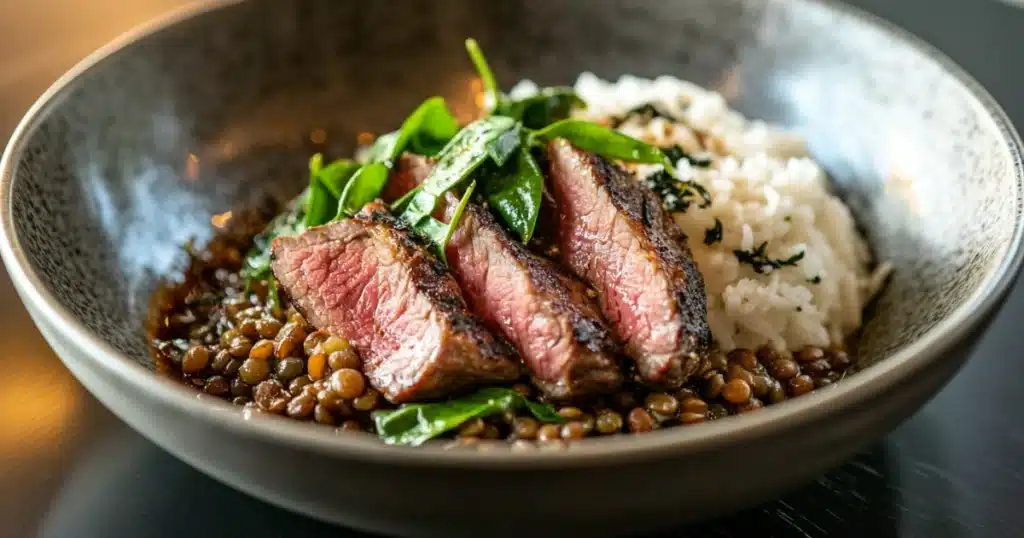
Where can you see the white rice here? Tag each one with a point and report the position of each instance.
(764, 189)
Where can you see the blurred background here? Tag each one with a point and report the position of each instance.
(70, 469)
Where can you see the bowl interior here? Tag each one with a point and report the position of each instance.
(136, 155)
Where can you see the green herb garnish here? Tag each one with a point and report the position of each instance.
(677, 195)
(647, 110)
(414, 424)
(713, 234)
(760, 261)
(676, 153)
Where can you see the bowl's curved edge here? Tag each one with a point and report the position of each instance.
(965, 320)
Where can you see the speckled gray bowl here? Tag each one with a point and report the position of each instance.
(130, 154)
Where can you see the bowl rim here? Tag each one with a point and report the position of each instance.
(672, 442)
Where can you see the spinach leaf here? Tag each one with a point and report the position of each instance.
(439, 233)
(335, 176)
(505, 145)
(605, 142)
(514, 193)
(363, 188)
(465, 153)
(290, 222)
(491, 90)
(538, 111)
(319, 202)
(429, 127)
(414, 424)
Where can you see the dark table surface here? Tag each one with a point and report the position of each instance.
(68, 468)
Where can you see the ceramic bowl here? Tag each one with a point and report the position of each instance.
(216, 107)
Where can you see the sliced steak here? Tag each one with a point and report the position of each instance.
(542, 310)
(366, 280)
(614, 234)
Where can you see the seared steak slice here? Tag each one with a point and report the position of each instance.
(366, 280)
(543, 311)
(614, 234)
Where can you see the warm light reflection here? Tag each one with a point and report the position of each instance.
(37, 403)
(318, 136)
(365, 138)
(192, 167)
(221, 219)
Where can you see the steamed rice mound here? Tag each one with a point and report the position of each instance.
(765, 190)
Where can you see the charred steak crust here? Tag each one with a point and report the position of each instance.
(539, 307)
(433, 279)
(665, 253)
(565, 296)
(411, 325)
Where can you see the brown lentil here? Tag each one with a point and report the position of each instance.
(572, 431)
(220, 361)
(661, 404)
(289, 340)
(549, 432)
(783, 369)
(252, 371)
(800, 385)
(216, 386)
(737, 391)
(342, 359)
(570, 413)
(267, 393)
(218, 339)
(290, 368)
(240, 388)
(262, 350)
(231, 368)
(367, 402)
(239, 347)
(322, 415)
(525, 428)
(248, 329)
(714, 386)
(640, 421)
(268, 327)
(301, 406)
(317, 366)
(296, 385)
(608, 422)
(809, 354)
(195, 359)
(351, 426)
(691, 418)
(839, 360)
(473, 427)
(348, 383)
(311, 344)
(744, 357)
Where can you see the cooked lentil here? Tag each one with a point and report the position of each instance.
(232, 343)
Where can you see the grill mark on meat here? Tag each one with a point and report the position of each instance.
(367, 280)
(543, 311)
(615, 235)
